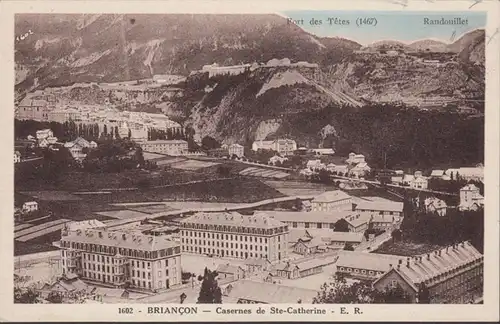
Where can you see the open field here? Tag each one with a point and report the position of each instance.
(263, 173)
(43, 232)
(51, 195)
(121, 214)
(40, 227)
(151, 156)
(299, 188)
(405, 248)
(192, 165)
(151, 209)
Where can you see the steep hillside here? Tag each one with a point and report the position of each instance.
(64, 49)
(470, 47)
(428, 44)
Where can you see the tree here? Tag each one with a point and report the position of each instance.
(210, 292)
(396, 235)
(24, 294)
(339, 291)
(117, 134)
(129, 134)
(348, 247)
(55, 298)
(341, 226)
(209, 143)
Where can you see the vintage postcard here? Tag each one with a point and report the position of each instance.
(224, 161)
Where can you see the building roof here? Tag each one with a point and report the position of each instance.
(382, 219)
(387, 205)
(165, 142)
(91, 223)
(436, 202)
(236, 145)
(426, 267)
(310, 217)
(331, 196)
(228, 268)
(365, 260)
(120, 239)
(358, 219)
(470, 187)
(437, 173)
(270, 293)
(346, 237)
(257, 220)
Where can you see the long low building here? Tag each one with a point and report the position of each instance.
(313, 219)
(453, 274)
(253, 292)
(168, 147)
(389, 208)
(234, 235)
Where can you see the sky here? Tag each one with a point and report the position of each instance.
(402, 26)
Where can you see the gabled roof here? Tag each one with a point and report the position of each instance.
(387, 205)
(270, 293)
(229, 268)
(310, 217)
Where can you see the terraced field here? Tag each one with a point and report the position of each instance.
(264, 173)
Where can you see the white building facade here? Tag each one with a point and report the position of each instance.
(235, 236)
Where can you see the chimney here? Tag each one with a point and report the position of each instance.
(428, 256)
(390, 265)
(408, 263)
(400, 261)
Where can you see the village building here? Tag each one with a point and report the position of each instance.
(168, 147)
(282, 146)
(234, 235)
(338, 240)
(300, 269)
(312, 219)
(77, 148)
(385, 207)
(336, 200)
(470, 198)
(235, 272)
(313, 164)
(254, 292)
(382, 222)
(359, 170)
(310, 245)
(452, 275)
(35, 109)
(118, 259)
(236, 149)
(68, 286)
(323, 151)
(435, 205)
(17, 157)
(30, 206)
(437, 174)
(355, 158)
(44, 134)
(277, 159)
(358, 223)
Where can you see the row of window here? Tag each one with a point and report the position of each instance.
(89, 247)
(228, 245)
(318, 225)
(236, 229)
(361, 271)
(221, 252)
(231, 237)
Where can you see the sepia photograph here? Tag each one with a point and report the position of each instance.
(293, 157)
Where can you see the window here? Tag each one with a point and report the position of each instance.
(394, 283)
(306, 225)
(318, 225)
(159, 274)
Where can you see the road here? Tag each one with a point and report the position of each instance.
(393, 185)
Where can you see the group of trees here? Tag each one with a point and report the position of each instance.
(456, 226)
(115, 156)
(169, 134)
(68, 130)
(339, 291)
(398, 136)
